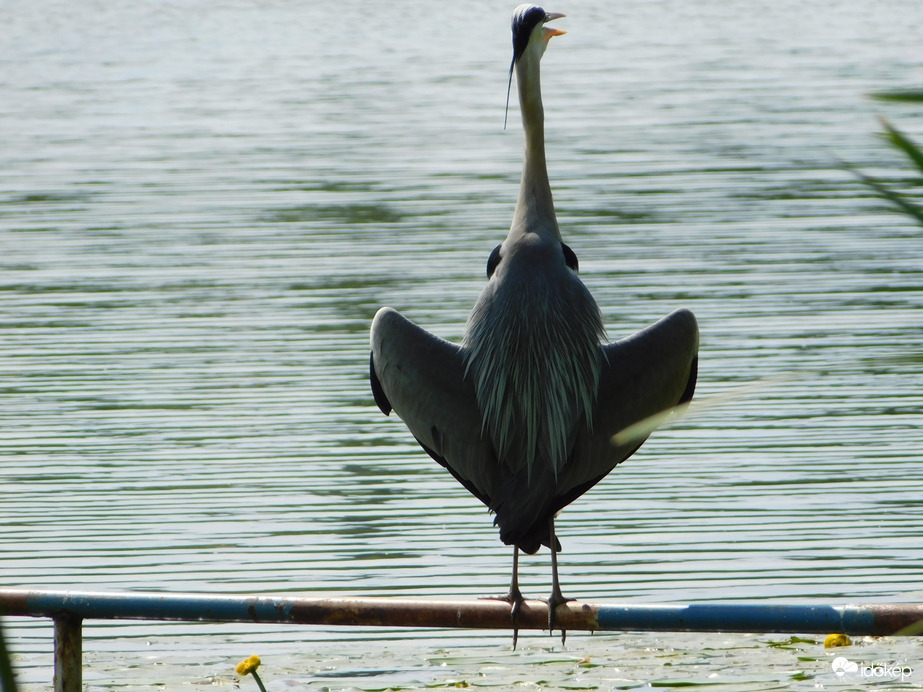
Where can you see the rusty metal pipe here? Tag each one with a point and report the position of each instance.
(869, 619)
(68, 609)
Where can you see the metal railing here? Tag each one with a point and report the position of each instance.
(68, 610)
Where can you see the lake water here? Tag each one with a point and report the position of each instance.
(202, 205)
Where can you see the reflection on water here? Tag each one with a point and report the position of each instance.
(199, 220)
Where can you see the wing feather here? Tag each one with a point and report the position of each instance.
(647, 373)
(422, 377)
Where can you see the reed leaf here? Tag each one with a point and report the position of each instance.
(904, 95)
(904, 205)
(902, 142)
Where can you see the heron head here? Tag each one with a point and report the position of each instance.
(529, 30)
(529, 25)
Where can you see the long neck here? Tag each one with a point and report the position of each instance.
(535, 207)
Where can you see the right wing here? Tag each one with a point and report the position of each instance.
(648, 373)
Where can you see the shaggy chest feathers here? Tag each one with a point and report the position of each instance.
(532, 349)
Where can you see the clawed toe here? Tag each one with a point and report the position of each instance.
(515, 599)
(554, 600)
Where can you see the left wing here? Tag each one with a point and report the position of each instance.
(422, 378)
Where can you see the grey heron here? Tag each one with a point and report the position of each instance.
(524, 411)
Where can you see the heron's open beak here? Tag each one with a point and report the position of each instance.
(550, 31)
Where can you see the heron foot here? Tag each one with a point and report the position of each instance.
(554, 600)
(515, 599)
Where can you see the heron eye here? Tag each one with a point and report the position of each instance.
(493, 261)
(570, 257)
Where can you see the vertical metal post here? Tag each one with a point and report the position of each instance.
(68, 653)
(7, 677)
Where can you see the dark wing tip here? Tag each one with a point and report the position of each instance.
(690, 383)
(380, 398)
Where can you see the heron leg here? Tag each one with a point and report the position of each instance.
(514, 597)
(556, 598)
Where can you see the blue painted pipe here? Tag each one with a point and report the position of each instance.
(873, 619)
(870, 619)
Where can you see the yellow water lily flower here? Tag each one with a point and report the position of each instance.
(248, 667)
(834, 640)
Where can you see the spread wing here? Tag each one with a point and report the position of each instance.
(645, 374)
(422, 378)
